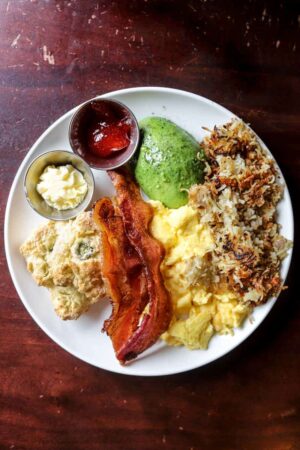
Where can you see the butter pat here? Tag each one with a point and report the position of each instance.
(62, 187)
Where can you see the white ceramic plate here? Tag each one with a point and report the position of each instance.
(83, 338)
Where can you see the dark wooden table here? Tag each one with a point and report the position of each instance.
(244, 55)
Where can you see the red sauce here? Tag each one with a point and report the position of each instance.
(106, 137)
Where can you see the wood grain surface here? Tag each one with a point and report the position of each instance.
(242, 54)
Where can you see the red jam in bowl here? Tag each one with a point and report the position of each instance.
(104, 133)
(105, 138)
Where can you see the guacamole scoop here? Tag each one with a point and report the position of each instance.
(169, 162)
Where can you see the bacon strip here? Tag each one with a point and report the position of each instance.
(137, 215)
(123, 274)
(131, 268)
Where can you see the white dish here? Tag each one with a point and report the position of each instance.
(83, 338)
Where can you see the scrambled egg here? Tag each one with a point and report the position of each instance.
(201, 307)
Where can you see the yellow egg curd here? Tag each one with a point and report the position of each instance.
(62, 187)
(202, 307)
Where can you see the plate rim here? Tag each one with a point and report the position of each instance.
(32, 149)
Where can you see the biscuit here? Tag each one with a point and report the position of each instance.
(65, 257)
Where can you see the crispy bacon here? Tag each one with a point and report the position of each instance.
(131, 268)
(123, 274)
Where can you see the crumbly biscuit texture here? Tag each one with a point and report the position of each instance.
(65, 257)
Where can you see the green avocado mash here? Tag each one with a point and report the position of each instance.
(169, 162)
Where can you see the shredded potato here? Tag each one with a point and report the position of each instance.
(238, 201)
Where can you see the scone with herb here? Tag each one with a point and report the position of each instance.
(65, 257)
